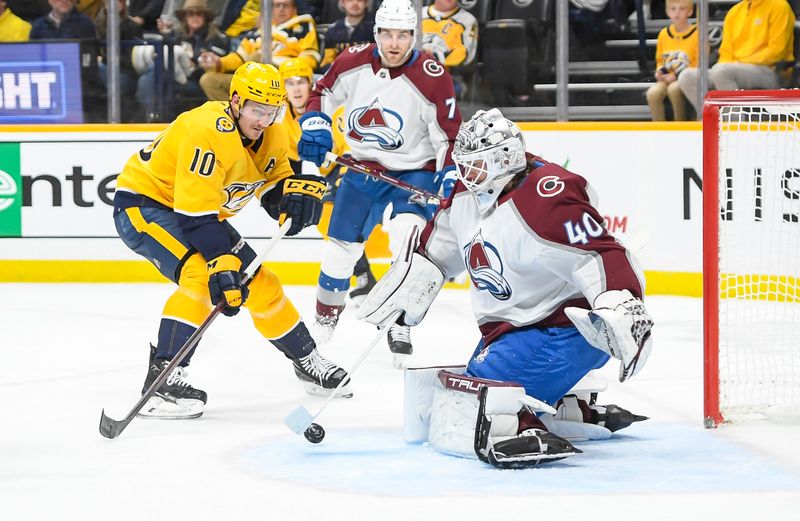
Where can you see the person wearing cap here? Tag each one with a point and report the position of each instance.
(172, 204)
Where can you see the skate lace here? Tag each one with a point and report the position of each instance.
(318, 365)
(400, 333)
(176, 378)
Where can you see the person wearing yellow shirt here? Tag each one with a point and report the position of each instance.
(298, 79)
(172, 204)
(247, 19)
(756, 35)
(12, 27)
(676, 50)
(293, 36)
(450, 33)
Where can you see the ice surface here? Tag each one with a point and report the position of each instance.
(70, 350)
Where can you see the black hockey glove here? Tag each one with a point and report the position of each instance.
(225, 283)
(302, 201)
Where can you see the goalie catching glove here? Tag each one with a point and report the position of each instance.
(409, 286)
(618, 325)
(225, 283)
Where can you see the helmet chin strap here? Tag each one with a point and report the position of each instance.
(245, 140)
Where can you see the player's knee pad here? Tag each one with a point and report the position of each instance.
(272, 312)
(340, 257)
(397, 229)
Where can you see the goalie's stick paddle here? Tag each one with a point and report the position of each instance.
(420, 195)
(111, 428)
(299, 419)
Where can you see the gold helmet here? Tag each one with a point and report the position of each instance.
(258, 82)
(294, 69)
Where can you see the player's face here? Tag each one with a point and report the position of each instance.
(395, 44)
(678, 12)
(473, 172)
(354, 8)
(297, 91)
(255, 117)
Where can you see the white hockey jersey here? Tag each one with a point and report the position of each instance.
(402, 118)
(543, 247)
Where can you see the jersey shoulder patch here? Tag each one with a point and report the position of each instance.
(224, 124)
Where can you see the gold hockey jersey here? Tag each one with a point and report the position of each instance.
(199, 164)
(294, 38)
(451, 37)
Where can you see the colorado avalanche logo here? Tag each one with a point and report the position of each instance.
(238, 194)
(486, 268)
(378, 124)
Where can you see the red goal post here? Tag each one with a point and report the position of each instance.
(751, 255)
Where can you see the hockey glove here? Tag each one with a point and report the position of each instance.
(302, 201)
(618, 325)
(316, 138)
(225, 283)
(446, 179)
(410, 285)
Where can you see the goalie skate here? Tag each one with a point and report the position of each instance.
(320, 376)
(399, 338)
(364, 284)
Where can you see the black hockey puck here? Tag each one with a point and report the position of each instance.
(315, 433)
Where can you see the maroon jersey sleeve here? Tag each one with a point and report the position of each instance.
(555, 205)
(349, 59)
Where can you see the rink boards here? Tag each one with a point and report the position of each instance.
(56, 188)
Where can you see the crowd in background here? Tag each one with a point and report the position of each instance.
(206, 40)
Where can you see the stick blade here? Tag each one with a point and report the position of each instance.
(109, 427)
(298, 420)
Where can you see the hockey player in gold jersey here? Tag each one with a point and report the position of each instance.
(298, 79)
(171, 206)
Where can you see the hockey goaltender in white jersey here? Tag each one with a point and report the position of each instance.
(554, 294)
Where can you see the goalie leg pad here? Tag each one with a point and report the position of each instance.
(410, 285)
(528, 449)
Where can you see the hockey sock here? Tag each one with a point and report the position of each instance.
(171, 337)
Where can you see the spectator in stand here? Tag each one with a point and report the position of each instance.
(12, 27)
(63, 23)
(757, 35)
(146, 12)
(129, 33)
(29, 10)
(240, 16)
(676, 50)
(194, 35)
(355, 28)
(293, 36)
(92, 8)
(449, 33)
(169, 18)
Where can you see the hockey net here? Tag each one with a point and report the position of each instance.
(751, 255)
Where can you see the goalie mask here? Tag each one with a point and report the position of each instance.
(488, 152)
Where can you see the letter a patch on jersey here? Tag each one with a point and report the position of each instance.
(376, 123)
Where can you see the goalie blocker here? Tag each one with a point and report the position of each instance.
(497, 422)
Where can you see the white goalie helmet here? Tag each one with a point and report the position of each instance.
(489, 150)
(395, 14)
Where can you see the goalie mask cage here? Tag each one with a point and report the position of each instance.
(751, 255)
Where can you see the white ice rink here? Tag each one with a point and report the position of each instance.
(70, 350)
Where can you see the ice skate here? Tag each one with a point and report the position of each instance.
(320, 376)
(364, 284)
(175, 399)
(399, 338)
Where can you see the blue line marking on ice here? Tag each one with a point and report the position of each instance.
(649, 458)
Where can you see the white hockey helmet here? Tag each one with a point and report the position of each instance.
(395, 14)
(489, 150)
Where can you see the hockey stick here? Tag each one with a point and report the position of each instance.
(111, 428)
(299, 419)
(421, 196)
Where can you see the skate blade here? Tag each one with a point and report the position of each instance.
(400, 360)
(157, 408)
(317, 390)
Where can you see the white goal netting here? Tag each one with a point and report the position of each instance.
(759, 260)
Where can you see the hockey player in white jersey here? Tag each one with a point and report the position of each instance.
(401, 117)
(554, 294)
